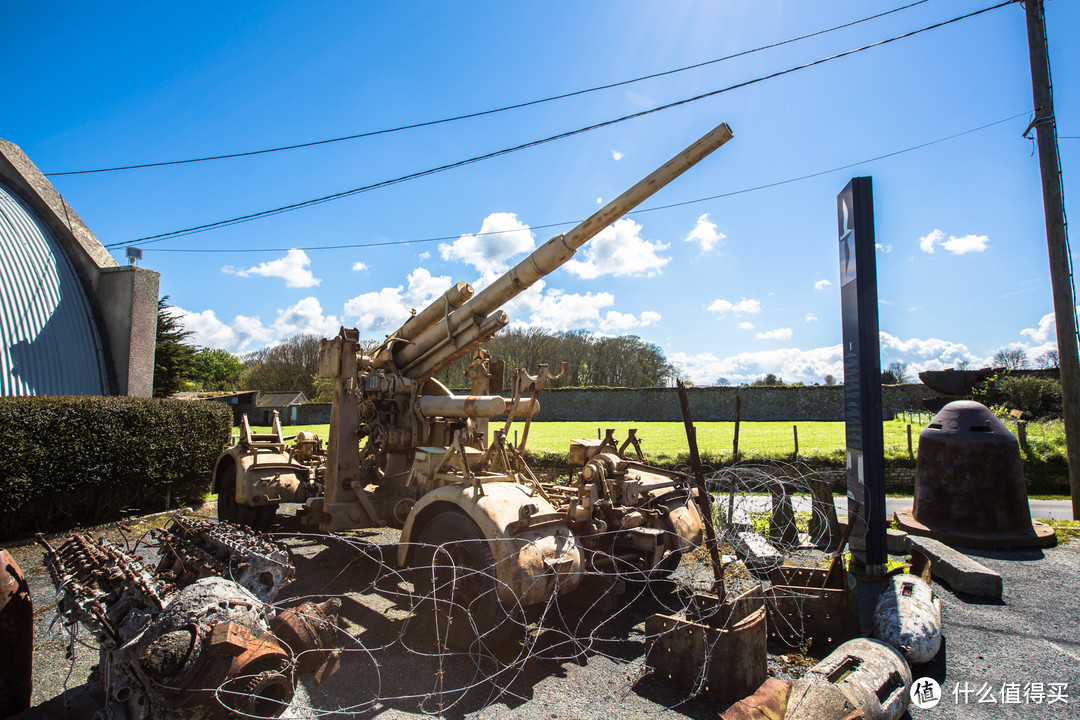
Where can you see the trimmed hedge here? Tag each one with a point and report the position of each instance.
(70, 461)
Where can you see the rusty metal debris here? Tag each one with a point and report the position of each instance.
(17, 631)
(717, 650)
(969, 483)
(908, 614)
(183, 642)
(194, 548)
(769, 702)
(860, 679)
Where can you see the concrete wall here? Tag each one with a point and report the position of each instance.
(124, 299)
(707, 404)
(717, 404)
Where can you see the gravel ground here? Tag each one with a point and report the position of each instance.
(1029, 637)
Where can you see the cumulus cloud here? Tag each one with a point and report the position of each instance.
(358, 266)
(777, 334)
(616, 322)
(746, 325)
(619, 250)
(501, 237)
(1045, 331)
(743, 307)
(883, 248)
(822, 284)
(705, 234)
(306, 317)
(563, 311)
(242, 334)
(811, 317)
(791, 364)
(383, 311)
(954, 245)
(293, 269)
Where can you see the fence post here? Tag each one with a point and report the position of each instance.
(795, 430)
(910, 449)
(735, 445)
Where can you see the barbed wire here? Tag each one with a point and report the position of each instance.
(422, 639)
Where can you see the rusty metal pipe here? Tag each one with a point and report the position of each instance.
(556, 251)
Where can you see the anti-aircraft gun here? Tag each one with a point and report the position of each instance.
(405, 451)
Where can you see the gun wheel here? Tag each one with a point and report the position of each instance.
(456, 571)
(228, 510)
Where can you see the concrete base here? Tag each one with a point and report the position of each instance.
(1041, 536)
(962, 573)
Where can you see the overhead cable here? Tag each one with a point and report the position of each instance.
(534, 143)
(493, 111)
(545, 226)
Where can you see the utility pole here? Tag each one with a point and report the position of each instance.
(1056, 240)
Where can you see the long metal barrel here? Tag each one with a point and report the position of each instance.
(561, 248)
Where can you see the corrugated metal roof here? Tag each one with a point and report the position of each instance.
(49, 342)
(281, 399)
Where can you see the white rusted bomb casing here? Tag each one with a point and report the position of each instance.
(862, 675)
(908, 617)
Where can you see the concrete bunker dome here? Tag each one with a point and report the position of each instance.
(72, 320)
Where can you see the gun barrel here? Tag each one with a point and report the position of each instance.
(556, 251)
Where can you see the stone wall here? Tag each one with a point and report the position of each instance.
(759, 404)
(707, 404)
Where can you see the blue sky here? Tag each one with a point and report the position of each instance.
(732, 287)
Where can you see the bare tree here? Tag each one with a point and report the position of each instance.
(1048, 360)
(830, 380)
(895, 374)
(1011, 358)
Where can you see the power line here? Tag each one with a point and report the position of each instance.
(493, 111)
(534, 143)
(635, 212)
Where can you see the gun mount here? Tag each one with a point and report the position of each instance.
(404, 451)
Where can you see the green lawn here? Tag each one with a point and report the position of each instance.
(665, 442)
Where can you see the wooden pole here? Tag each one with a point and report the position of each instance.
(735, 444)
(795, 430)
(910, 448)
(1056, 240)
(704, 498)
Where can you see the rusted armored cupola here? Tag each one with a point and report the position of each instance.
(969, 484)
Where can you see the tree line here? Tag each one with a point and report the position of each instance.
(591, 361)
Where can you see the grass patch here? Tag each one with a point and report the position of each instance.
(1067, 530)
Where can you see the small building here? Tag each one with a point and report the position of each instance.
(284, 402)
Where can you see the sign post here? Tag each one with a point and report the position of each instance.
(862, 370)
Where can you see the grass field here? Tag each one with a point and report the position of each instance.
(665, 442)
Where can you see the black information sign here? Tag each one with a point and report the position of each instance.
(862, 368)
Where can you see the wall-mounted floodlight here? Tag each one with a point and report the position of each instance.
(134, 254)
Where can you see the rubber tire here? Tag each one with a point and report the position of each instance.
(472, 600)
(228, 510)
(258, 518)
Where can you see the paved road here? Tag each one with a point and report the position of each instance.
(1040, 509)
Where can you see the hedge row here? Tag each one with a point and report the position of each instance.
(68, 461)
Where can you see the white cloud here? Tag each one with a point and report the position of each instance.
(649, 317)
(383, 311)
(822, 284)
(955, 245)
(619, 250)
(746, 325)
(777, 334)
(743, 307)
(616, 155)
(927, 242)
(705, 234)
(424, 255)
(1045, 331)
(358, 266)
(883, 248)
(562, 311)
(811, 317)
(501, 237)
(293, 269)
(790, 364)
(306, 317)
(239, 336)
(616, 322)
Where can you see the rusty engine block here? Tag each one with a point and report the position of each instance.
(196, 638)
